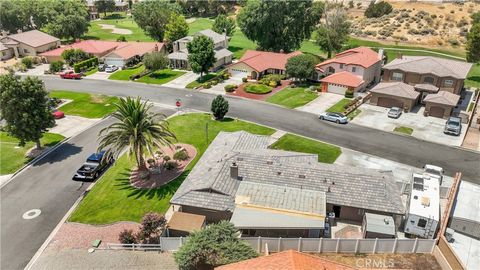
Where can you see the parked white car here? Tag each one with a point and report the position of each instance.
(334, 117)
(111, 69)
(394, 112)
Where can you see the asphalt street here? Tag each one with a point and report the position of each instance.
(403, 149)
(47, 186)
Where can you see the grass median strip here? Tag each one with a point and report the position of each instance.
(327, 153)
(124, 75)
(292, 97)
(85, 105)
(404, 130)
(161, 76)
(114, 199)
(13, 156)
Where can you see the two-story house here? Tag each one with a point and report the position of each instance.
(431, 81)
(352, 69)
(179, 57)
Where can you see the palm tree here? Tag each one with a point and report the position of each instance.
(138, 130)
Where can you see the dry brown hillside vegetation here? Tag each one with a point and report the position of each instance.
(439, 24)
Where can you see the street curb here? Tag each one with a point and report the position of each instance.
(35, 160)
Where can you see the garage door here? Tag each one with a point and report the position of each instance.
(437, 112)
(114, 61)
(389, 102)
(337, 89)
(239, 73)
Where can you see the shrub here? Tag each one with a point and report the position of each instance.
(139, 75)
(378, 10)
(230, 88)
(170, 165)
(244, 79)
(272, 84)
(28, 62)
(155, 61)
(225, 76)
(72, 56)
(56, 66)
(121, 39)
(127, 237)
(349, 93)
(181, 155)
(207, 85)
(219, 107)
(214, 82)
(166, 158)
(151, 227)
(84, 65)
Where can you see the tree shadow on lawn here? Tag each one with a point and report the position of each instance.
(161, 76)
(474, 78)
(158, 193)
(235, 48)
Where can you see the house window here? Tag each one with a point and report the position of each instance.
(331, 70)
(428, 80)
(3, 54)
(448, 83)
(396, 76)
(354, 69)
(25, 50)
(422, 223)
(341, 66)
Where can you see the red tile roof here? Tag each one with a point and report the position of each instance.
(88, 46)
(127, 50)
(260, 60)
(344, 78)
(286, 260)
(361, 56)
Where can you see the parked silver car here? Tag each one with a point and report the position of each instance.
(111, 68)
(334, 117)
(453, 126)
(394, 112)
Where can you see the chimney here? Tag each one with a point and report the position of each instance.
(328, 190)
(234, 171)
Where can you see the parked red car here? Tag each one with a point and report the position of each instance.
(58, 114)
(71, 75)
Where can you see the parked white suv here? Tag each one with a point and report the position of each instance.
(434, 172)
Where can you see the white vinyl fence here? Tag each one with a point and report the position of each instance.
(260, 244)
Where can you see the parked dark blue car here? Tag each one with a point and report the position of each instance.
(93, 167)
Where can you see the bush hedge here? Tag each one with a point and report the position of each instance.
(84, 65)
(181, 155)
(28, 62)
(56, 66)
(349, 93)
(230, 88)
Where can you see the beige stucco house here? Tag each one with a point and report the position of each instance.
(30, 43)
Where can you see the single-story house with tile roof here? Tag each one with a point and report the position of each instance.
(362, 62)
(255, 64)
(342, 81)
(394, 94)
(233, 177)
(286, 260)
(127, 51)
(440, 104)
(30, 43)
(445, 74)
(97, 48)
(5, 52)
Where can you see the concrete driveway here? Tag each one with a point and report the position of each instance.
(36, 70)
(182, 81)
(322, 103)
(425, 128)
(71, 125)
(100, 75)
(219, 89)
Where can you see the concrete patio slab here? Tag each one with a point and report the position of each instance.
(71, 125)
(467, 249)
(425, 128)
(322, 103)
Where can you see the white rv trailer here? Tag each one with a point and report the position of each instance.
(423, 216)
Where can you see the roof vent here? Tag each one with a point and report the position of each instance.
(333, 183)
(301, 176)
(279, 173)
(240, 158)
(234, 170)
(415, 197)
(324, 180)
(328, 189)
(386, 221)
(269, 162)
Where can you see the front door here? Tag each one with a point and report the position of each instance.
(337, 209)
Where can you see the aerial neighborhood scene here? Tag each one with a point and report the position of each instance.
(239, 134)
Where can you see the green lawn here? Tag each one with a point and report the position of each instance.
(86, 105)
(161, 76)
(327, 153)
(256, 88)
(473, 78)
(392, 54)
(198, 82)
(199, 24)
(293, 97)
(239, 43)
(113, 199)
(404, 130)
(124, 75)
(90, 72)
(13, 157)
(96, 32)
(339, 106)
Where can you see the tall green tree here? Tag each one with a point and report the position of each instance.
(301, 66)
(153, 16)
(69, 19)
(72, 56)
(27, 14)
(201, 55)
(279, 25)
(176, 28)
(215, 245)
(219, 107)
(9, 17)
(155, 60)
(333, 32)
(224, 24)
(138, 130)
(105, 6)
(473, 44)
(25, 107)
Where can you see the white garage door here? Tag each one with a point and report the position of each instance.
(114, 61)
(239, 73)
(337, 89)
